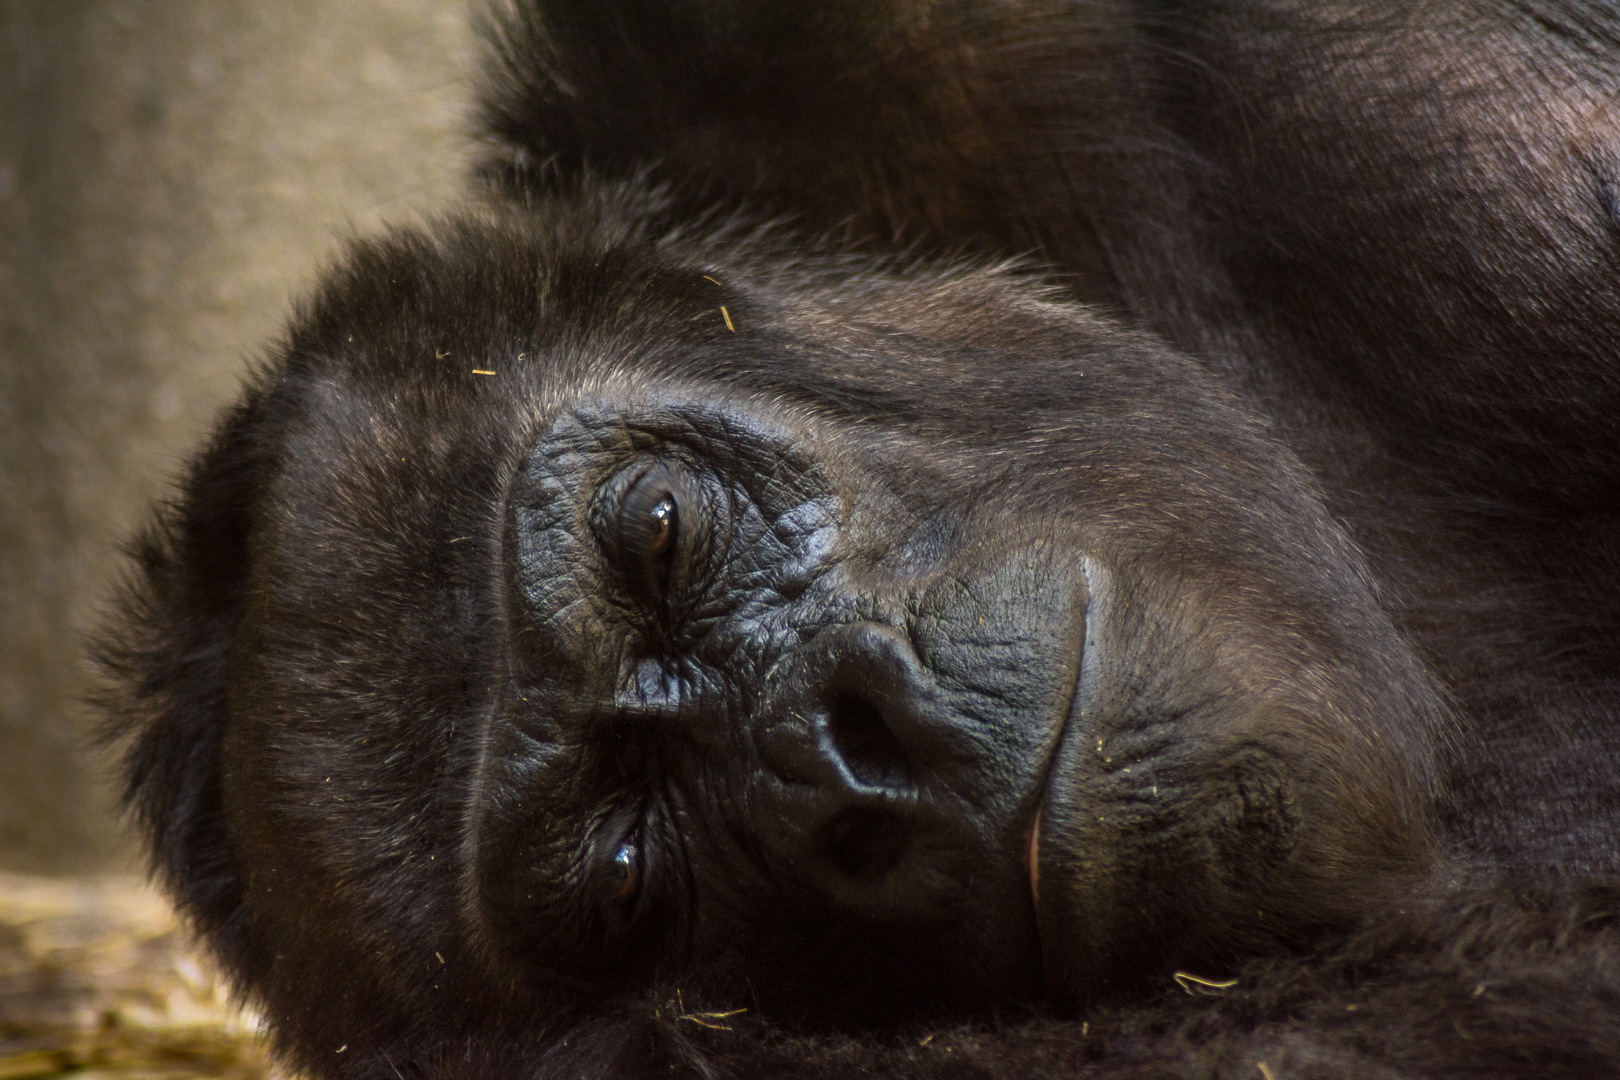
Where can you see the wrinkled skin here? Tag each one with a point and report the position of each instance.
(618, 636)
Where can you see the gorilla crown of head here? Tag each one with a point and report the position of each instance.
(605, 598)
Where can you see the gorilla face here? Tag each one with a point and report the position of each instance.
(759, 669)
(581, 610)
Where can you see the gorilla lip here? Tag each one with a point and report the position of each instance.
(1032, 856)
(1032, 838)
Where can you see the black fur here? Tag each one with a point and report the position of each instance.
(1285, 592)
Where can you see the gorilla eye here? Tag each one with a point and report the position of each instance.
(660, 524)
(649, 534)
(625, 880)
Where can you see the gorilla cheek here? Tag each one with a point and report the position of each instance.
(1193, 792)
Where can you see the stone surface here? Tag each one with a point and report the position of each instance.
(170, 176)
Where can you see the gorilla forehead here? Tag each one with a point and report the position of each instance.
(596, 298)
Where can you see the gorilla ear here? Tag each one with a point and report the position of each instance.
(163, 654)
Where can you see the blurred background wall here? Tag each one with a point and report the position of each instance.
(172, 174)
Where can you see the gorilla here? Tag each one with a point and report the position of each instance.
(931, 538)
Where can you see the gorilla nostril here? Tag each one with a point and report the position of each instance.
(863, 741)
(865, 841)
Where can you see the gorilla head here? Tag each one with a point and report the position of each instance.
(615, 620)
(581, 609)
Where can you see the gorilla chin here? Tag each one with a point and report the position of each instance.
(565, 640)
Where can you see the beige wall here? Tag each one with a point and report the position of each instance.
(171, 175)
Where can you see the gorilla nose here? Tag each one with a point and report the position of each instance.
(847, 723)
(839, 710)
